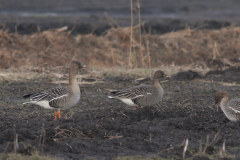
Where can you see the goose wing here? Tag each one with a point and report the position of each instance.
(234, 105)
(134, 92)
(54, 96)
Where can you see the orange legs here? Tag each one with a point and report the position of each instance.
(57, 115)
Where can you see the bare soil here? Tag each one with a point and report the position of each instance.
(102, 128)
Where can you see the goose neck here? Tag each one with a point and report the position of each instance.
(159, 88)
(72, 77)
(224, 101)
(156, 83)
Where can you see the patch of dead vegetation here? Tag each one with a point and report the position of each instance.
(58, 47)
(62, 133)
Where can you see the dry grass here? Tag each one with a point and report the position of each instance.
(34, 156)
(71, 132)
(58, 47)
(59, 75)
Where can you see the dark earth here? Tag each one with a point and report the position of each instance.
(102, 128)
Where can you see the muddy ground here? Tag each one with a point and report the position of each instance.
(102, 128)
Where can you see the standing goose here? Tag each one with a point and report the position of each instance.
(62, 97)
(143, 95)
(230, 107)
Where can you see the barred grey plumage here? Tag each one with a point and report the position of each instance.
(230, 107)
(60, 97)
(56, 96)
(143, 95)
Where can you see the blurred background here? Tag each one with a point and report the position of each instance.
(89, 16)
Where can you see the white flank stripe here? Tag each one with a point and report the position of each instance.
(58, 97)
(138, 96)
(236, 111)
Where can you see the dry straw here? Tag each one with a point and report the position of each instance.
(58, 47)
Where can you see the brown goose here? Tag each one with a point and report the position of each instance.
(63, 97)
(230, 107)
(143, 95)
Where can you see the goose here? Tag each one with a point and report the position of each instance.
(142, 95)
(63, 97)
(230, 107)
